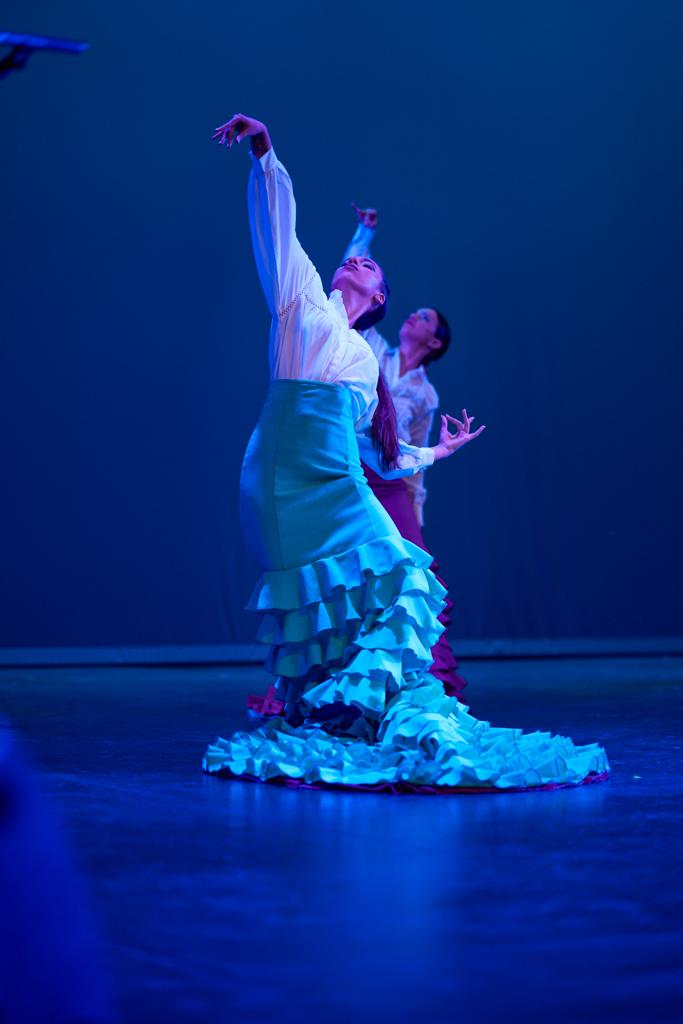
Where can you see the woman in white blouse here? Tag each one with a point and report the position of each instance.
(348, 608)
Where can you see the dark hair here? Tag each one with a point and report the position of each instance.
(443, 333)
(384, 429)
(373, 316)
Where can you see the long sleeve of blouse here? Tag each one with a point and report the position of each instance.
(411, 459)
(310, 336)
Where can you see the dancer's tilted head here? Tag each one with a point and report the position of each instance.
(425, 336)
(364, 290)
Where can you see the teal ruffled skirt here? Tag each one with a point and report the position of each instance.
(349, 611)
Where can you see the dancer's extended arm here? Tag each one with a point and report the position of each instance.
(284, 268)
(364, 233)
(360, 246)
(412, 460)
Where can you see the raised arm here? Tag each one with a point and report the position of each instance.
(284, 268)
(360, 246)
(364, 233)
(410, 460)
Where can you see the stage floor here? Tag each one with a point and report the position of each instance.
(234, 902)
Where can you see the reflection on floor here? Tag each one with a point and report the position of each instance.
(225, 901)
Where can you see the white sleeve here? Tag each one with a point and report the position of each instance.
(420, 428)
(360, 243)
(405, 416)
(284, 268)
(377, 342)
(411, 460)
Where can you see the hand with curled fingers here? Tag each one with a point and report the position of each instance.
(449, 443)
(241, 127)
(368, 217)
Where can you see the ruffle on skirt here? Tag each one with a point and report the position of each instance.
(356, 629)
(394, 497)
(350, 627)
(426, 742)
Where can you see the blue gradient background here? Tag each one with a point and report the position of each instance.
(522, 159)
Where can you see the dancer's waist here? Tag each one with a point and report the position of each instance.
(304, 420)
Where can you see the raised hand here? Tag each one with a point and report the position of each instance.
(368, 218)
(241, 127)
(449, 443)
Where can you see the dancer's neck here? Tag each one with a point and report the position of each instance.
(408, 361)
(354, 305)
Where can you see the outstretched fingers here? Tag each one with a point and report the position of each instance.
(444, 435)
(464, 434)
(452, 419)
(225, 133)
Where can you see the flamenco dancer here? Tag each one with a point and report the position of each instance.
(424, 337)
(348, 607)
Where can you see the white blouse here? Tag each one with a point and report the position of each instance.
(310, 337)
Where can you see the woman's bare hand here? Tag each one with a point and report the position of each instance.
(368, 218)
(449, 443)
(241, 127)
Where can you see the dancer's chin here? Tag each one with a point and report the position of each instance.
(343, 277)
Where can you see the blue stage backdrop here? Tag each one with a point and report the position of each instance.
(521, 158)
